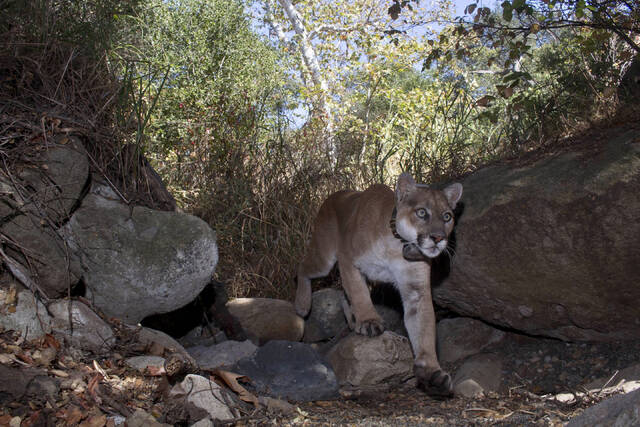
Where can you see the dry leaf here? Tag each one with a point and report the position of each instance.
(231, 379)
(72, 415)
(59, 373)
(10, 297)
(95, 421)
(156, 371)
(51, 341)
(25, 358)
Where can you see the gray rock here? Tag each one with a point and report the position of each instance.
(461, 337)
(205, 422)
(60, 179)
(265, 319)
(479, 373)
(201, 335)
(48, 256)
(326, 318)
(150, 336)
(29, 316)
(89, 331)
(203, 395)
(362, 361)
(141, 363)
(141, 418)
(468, 388)
(531, 241)
(137, 261)
(225, 354)
(618, 411)
(392, 319)
(289, 370)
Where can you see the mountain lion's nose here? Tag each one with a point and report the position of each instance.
(436, 238)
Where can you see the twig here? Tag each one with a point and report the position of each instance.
(104, 175)
(607, 383)
(66, 66)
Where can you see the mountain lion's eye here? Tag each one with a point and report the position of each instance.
(447, 217)
(422, 213)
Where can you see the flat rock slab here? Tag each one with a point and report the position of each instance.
(289, 370)
(363, 361)
(222, 355)
(265, 319)
(460, 337)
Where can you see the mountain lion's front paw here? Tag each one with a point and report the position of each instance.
(370, 327)
(436, 384)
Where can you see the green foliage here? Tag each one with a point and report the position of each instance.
(91, 27)
(213, 105)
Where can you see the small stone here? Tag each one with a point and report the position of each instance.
(565, 397)
(468, 388)
(358, 360)
(266, 319)
(141, 363)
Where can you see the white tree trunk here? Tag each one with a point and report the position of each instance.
(310, 58)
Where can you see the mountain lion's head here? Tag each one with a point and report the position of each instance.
(424, 216)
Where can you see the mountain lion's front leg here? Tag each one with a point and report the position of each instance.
(420, 322)
(366, 319)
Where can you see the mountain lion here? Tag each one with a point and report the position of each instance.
(391, 238)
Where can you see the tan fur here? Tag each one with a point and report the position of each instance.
(353, 229)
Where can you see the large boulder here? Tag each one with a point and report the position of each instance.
(552, 248)
(138, 261)
(34, 203)
(621, 410)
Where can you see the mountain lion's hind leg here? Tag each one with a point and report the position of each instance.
(319, 259)
(362, 315)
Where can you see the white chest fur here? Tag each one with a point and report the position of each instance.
(378, 265)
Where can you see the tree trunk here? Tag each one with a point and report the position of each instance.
(320, 86)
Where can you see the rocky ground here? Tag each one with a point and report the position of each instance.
(544, 382)
(535, 372)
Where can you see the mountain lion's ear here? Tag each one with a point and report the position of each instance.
(406, 184)
(453, 193)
